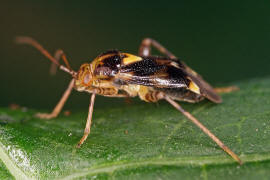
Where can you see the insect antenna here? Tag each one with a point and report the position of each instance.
(59, 53)
(204, 129)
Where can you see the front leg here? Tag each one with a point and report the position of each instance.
(59, 105)
(88, 122)
(111, 92)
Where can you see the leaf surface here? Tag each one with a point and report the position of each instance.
(143, 141)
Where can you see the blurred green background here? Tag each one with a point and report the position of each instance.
(224, 41)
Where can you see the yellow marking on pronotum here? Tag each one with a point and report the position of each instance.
(130, 59)
(193, 87)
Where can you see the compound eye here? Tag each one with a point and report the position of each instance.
(87, 78)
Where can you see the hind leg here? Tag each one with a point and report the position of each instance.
(145, 48)
(227, 89)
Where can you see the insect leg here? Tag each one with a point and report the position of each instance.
(145, 48)
(89, 121)
(226, 89)
(59, 105)
(204, 129)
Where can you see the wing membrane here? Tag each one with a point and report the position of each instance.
(162, 72)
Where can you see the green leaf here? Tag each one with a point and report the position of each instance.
(143, 141)
(4, 173)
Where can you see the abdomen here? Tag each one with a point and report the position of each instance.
(181, 94)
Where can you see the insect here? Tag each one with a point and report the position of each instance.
(119, 74)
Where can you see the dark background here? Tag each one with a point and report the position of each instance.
(224, 41)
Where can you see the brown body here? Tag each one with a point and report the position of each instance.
(117, 74)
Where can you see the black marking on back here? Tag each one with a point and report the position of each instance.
(157, 71)
(109, 66)
(146, 67)
(177, 76)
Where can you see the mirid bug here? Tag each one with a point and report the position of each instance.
(152, 78)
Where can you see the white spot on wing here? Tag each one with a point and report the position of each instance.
(174, 64)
